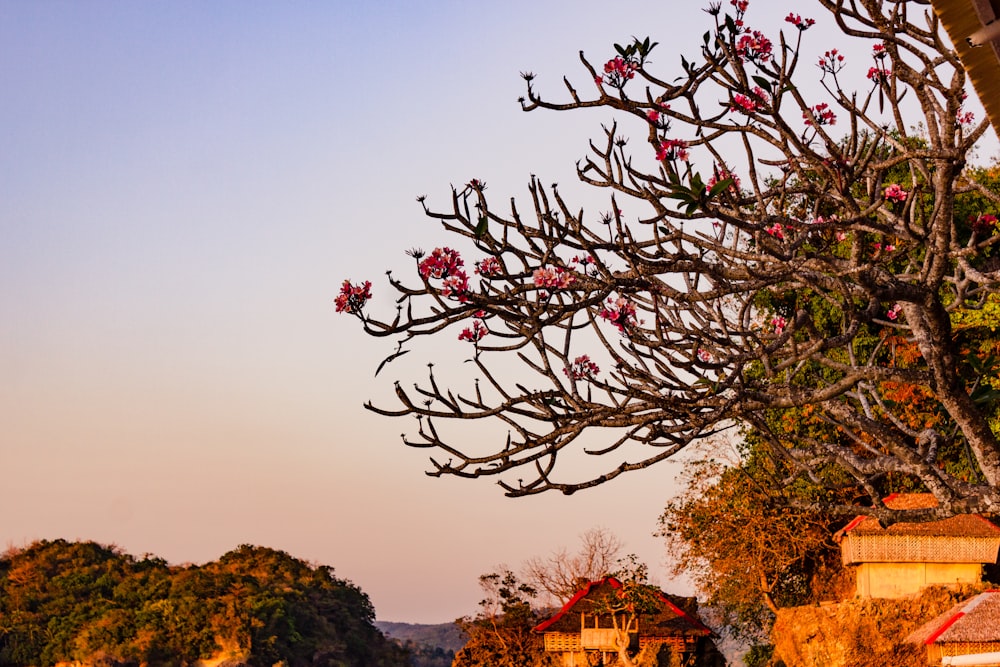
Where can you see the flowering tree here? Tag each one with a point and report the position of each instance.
(773, 254)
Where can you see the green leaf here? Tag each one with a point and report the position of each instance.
(721, 186)
(763, 83)
(481, 227)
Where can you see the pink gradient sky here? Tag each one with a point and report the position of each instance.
(185, 185)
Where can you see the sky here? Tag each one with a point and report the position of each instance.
(184, 187)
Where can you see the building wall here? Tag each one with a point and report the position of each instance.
(896, 580)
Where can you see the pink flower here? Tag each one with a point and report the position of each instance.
(754, 47)
(822, 113)
(894, 312)
(704, 355)
(984, 221)
(457, 286)
(475, 333)
(890, 247)
(776, 230)
(582, 368)
(672, 149)
(720, 174)
(965, 117)
(778, 323)
(878, 74)
(441, 263)
(582, 260)
(799, 22)
(617, 71)
(555, 277)
(488, 267)
(352, 298)
(878, 51)
(831, 62)
(620, 312)
(748, 104)
(841, 236)
(896, 193)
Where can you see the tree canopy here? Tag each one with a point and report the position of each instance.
(80, 601)
(800, 241)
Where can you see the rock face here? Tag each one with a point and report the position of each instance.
(859, 633)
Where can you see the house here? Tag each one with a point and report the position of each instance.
(900, 560)
(579, 632)
(966, 634)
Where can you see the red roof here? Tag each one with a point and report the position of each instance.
(679, 620)
(973, 621)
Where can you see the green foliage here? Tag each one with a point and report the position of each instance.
(63, 601)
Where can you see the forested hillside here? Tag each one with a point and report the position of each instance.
(81, 601)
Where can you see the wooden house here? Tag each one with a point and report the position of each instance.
(581, 634)
(966, 634)
(900, 560)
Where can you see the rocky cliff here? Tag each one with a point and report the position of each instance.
(859, 633)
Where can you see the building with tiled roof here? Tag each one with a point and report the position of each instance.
(579, 631)
(966, 634)
(905, 557)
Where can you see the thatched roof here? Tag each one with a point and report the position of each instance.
(961, 18)
(974, 621)
(675, 618)
(963, 525)
(966, 538)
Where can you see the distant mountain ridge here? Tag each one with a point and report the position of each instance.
(446, 636)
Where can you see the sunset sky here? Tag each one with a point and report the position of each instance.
(184, 187)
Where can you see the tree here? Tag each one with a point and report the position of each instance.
(560, 573)
(812, 268)
(747, 551)
(500, 634)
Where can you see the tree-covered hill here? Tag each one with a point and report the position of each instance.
(80, 601)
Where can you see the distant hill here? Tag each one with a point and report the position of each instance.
(446, 636)
(89, 604)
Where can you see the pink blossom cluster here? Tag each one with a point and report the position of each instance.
(778, 323)
(754, 46)
(878, 51)
(879, 74)
(799, 22)
(617, 71)
(620, 312)
(984, 221)
(446, 265)
(555, 277)
(672, 149)
(832, 61)
(352, 298)
(704, 355)
(582, 260)
(964, 117)
(740, 5)
(475, 333)
(582, 368)
(893, 313)
(888, 247)
(751, 103)
(488, 267)
(895, 193)
(776, 230)
(822, 113)
(441, 263)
